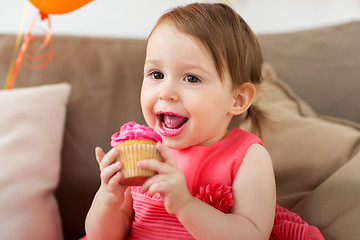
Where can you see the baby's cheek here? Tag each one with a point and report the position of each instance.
(150, 118)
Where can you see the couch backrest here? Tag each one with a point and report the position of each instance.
(105, 74)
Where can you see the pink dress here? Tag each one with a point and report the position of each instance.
(209, 173)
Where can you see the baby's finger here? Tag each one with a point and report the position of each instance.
(109, 158)
(108, 172)
(114, 182)
(155, 165)
(158, 187)
(151, 181)
(166, 154)
(99, 154)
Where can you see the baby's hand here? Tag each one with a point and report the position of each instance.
(110, 174)
(169, 182)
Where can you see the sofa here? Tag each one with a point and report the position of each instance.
(54, 118)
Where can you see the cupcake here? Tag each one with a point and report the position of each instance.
(135, 142)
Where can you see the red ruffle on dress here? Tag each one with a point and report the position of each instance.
(209, 173)
(289, 226)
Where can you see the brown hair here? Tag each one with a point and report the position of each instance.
(231, 42)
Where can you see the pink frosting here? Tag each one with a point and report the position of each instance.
(133, 130)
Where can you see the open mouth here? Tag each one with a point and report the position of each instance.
(170, 124)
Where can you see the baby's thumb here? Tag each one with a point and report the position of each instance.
(166, 154)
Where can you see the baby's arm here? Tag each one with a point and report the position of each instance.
(252, 215)
(111, 212)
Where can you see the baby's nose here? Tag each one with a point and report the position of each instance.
(169, 91)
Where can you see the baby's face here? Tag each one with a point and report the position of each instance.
(182, 96)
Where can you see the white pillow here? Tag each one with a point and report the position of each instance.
(31, 132)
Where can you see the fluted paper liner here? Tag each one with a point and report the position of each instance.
(132, 151)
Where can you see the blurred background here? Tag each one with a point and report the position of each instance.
(135, 18)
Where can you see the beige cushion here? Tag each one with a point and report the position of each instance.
(322, 65)
(305, 148)
(334, 206)
(31, 131)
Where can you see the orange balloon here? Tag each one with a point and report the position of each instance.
(58, 6)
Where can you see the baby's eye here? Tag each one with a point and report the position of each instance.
(192, 79)
(156, 75)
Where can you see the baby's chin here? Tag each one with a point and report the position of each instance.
(172, 143)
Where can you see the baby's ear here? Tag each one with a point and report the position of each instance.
(243, 98)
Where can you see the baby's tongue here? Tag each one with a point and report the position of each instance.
(172, 121)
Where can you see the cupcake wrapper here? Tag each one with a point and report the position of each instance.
(131, 154)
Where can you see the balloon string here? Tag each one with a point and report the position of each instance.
(17, 44)
(14, 67)
(47, 42)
